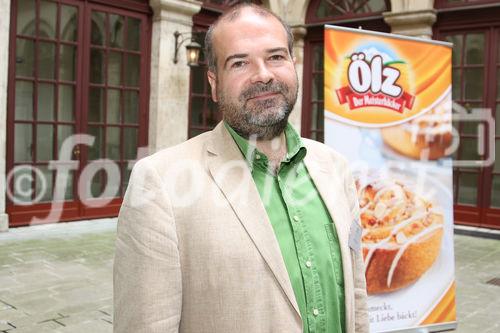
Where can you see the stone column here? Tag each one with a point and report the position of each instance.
(298, 52)
(411, 17)
(4, 69)
(169, 99)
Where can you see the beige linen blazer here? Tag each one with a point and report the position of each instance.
(195, 251)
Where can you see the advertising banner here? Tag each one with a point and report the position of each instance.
(388, 110)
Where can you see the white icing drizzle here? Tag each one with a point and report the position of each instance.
(379, 209)
(401, 251)
(433, 123)
(397, 228)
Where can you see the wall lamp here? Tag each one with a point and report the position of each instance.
(193, 48)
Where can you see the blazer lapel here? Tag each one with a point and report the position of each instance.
(232, 175)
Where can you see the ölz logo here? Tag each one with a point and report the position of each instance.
(371, 83)
(375, 76)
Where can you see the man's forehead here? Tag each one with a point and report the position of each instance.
(246, 19)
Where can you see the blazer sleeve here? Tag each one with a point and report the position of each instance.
(146, 274)
(360, 295)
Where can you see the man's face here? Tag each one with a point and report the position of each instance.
(256, 83)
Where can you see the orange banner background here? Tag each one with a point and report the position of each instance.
(425, 73)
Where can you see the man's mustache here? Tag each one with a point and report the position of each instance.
(264, 88)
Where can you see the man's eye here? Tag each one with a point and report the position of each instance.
(276, 57)
(238, 64)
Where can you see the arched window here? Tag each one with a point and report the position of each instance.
(366, 14)
(203, 114)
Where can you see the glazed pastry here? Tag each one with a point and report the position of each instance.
(402, 234)
(425, 137)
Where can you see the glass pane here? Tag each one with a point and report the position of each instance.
(198, 77)
(317, 88)
(474, 48)
(130, 143)
(98, 28)
(25, 61)
(113, 106)
(131, 107)
(68, 187)
(197, 111)
(125, 176)
(69, 23)
(467, 191)
(498, 83)
(96, 185)
(45, 101)
(44, 142)
(96, 105)
(26, 17)
(23, 143)
(43, 185)
(497, 121)
(376, 5)
(456, 83)
(469, 149)
(132, 70)
(321, 120)
(473, 78)
(470, 127)
(315, 111)
(24, 100)
(495, 192)
(327, 10)
(47, 23)
(96, 66)
(212, 114)
(318, 58)
(67, 63)
(496, 167)
(23, 185)
(195, 132)
(46, 63)
(113, 143)
(498, 45)
(116, 26)
(63, 133)
(133, 33)
(113, 185)
(457, 49)
(66, 103)
(95, 151)
(114, 68)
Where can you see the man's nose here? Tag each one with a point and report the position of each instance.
(262, 73)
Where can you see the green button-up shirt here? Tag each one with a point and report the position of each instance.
(305, 233)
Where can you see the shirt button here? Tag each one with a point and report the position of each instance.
(257, 156)
(296, 218)
(308, 263)
(315, 312)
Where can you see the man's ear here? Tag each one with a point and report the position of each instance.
(212, 79)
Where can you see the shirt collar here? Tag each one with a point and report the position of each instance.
(296, 151)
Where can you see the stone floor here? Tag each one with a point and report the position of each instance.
(58, 278)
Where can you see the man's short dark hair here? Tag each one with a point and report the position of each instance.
(232, 14)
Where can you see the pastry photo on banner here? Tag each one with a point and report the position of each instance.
(389, 97)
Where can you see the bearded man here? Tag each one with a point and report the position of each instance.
(246, 228)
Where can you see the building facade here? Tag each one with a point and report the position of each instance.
(106, 70)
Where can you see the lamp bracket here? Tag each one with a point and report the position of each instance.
(184, 36)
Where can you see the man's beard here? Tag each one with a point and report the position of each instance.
(265, 119)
